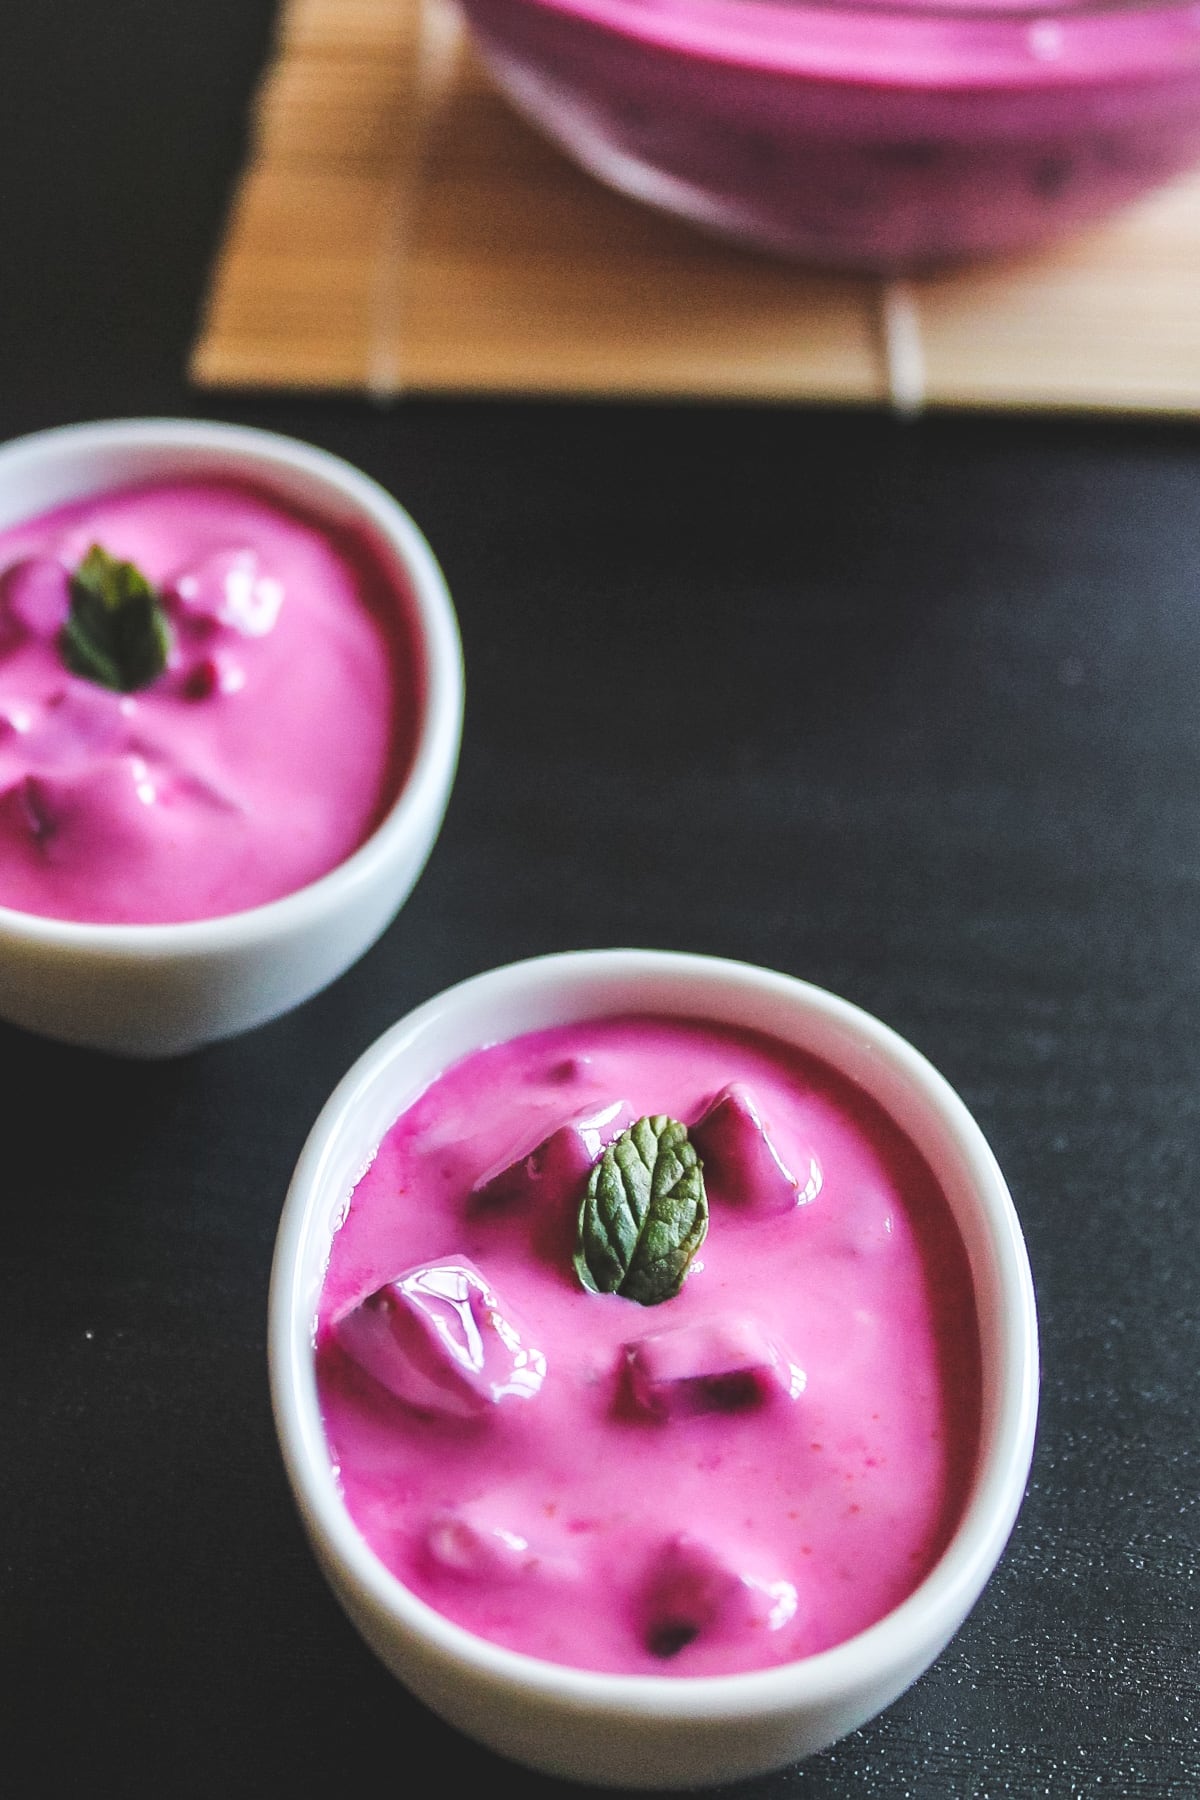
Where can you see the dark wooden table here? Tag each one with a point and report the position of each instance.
(911, 710)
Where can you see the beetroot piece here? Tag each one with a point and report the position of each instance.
(724, 1364)
(35, 598)
(464, 1542)
(742, 1165)
(69, 814)
(76, 725)
(694, 1588)
(214, 672)
(483, 1541)
(228, 588)
(438, 1338)
(555, 1168)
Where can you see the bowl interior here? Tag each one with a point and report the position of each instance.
(54, 467)
(558, 989)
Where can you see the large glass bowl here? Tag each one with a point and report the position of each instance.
(872, 135)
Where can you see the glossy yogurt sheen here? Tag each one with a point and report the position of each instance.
(267, 751)
(732, 1533)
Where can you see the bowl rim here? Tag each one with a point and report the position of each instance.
(435, 630)
(1017, 44)
(906, 1638)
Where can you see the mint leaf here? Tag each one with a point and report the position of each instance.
(117, 633)
(644, 1215)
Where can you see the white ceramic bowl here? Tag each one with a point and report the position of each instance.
(157, 990)
(654, 1731)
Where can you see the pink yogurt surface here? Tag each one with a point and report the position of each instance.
(265, 753)
(877, 136)
(730, 1532)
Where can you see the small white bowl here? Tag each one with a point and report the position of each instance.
(654, 1731)
(158, 990)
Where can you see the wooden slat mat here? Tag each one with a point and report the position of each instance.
(399, 230)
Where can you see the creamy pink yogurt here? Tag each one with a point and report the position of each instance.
(744, 1474)
(266, 752)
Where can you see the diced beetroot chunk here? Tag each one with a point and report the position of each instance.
(695, 1589)
(556, 1167)
(35, 597)
(667, 1636)
(69, 815)
(200, 681)
(570, 1068)
(438, 1338)
(741, 1163)
(689, 1586)
(486, 1540)
(215, 673)
(730, 1393)
(722, 1364)
(480, 1549)
(78, 722)
(228, 588)
(24, 812)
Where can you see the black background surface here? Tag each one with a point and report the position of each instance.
(909, 710)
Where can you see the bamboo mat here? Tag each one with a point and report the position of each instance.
(399, 230)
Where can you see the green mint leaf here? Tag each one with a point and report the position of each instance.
(644, 1215)
(116, 633)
